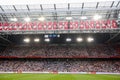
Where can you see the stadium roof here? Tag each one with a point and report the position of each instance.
(58, 10)
(22, 2)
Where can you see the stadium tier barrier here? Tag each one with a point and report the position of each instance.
(62, 25)
(59, 57)
(36, 72)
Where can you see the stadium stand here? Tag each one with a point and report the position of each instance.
(61, 51)
(61, 65)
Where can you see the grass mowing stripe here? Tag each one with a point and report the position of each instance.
(25, 76)
(62, 77)
(110, 76)
(86, 77)
(58, 77)
(95, 77)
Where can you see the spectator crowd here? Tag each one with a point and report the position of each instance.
(60, 51)
(60, 65)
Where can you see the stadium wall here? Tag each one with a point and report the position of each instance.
(36, 57)
(35, 72)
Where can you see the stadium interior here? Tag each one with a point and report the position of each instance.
(69, 38)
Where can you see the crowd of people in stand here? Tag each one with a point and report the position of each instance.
(61, 65)
(60, 51)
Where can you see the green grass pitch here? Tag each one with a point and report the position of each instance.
(58, 77)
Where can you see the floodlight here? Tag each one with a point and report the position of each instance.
(68, 18)
(83, 17)
(97, 17)
(58, 35)
(79, 39)
(13, 19)
(119, 15)
(27, 40)
(36, 40)
(47, 40)
(41, 18)
(68, 39)
(90, 39)
(27, 19)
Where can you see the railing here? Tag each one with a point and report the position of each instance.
(82, 57)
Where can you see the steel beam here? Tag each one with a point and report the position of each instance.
(5, 39)
(114, 36)
(14, 7)
(60, 10)
(60, 31)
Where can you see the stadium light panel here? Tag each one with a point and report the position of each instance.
(68, 18)
(58, 35)
(14, 19)
(83, 17)
(27, 40)
(79, 39)
(47, 40)
(46, 36)
(119, 15)
(27, 19)
(90, 39)
(68, 40)
(41, 18)
(97, 17)
(36, 40)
